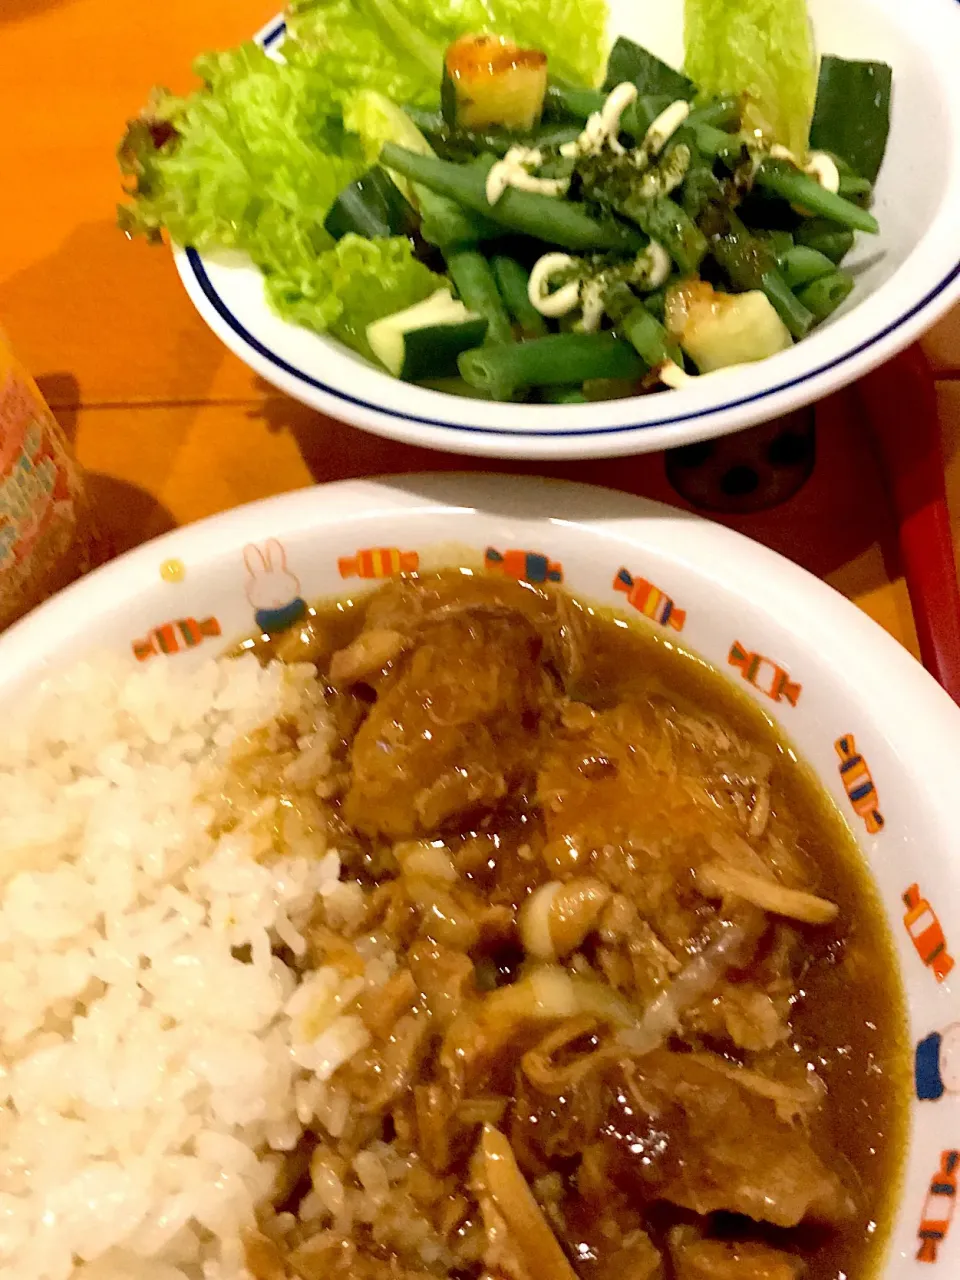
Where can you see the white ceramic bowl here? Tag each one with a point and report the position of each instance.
(906, 277)
(854, 680)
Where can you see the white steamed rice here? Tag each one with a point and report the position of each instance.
(154, 1051)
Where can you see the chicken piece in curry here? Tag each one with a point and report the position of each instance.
(641, 1019)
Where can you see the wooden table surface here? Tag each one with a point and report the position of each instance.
(170, 425)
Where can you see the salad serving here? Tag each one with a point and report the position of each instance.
(485, 203)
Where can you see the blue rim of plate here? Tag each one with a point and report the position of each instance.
(271, 36)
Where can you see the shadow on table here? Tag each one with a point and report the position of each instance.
(838, 516)
(107, 320)
(62, 392)
(126, 514)
(20, 10)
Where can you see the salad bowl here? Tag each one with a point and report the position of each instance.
(906, 277)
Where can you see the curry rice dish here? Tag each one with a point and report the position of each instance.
(467, 931)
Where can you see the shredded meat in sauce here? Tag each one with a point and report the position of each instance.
(621, 1039)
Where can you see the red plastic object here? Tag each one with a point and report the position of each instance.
(901, 405)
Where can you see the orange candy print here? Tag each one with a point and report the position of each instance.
(378, 562)
(171, 637)
(525, 566)
(649, 600)
(939, 1207)
(858, 783)
(764, 674)
(926, 933)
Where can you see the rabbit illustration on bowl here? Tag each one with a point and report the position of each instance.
(273, 591)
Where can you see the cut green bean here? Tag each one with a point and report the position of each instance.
(797, 317)
(722, 113)
(701, 188)
(641, 113)
(562, 395)
(666, 222)
(471, 274)
(852, 185)
(555, 221)
(646, 334)
(800, 265)
(617, 185)
(825, 236)
(781, 242)
(564, 101)
(782, 179)
(557, 360)
(824, 295)
(656, 303)
(446, 224)
(461, 144)
(749, 263)
(712, 142)
(512, 281)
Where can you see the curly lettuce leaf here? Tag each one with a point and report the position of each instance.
(347, 287)
(253, 162)
(253, 144)
(397, 46)
(762, 50)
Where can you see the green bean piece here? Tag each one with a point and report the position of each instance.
(781, 242)
(656, 303)
(701, 188)
(832, 241)
(446, 224)
(546, 218)
(646, 334)
(641, 113)
(749, 263)
(562, 395)
(786, 181)
(823, 296)
(616, 184)
(557, 360)
(470, 272)
(798, 319)
(427, 119)
(564, 101)
(801, 264)
(666, 222)
(712, 142)
(512, 281)
(722, 113)
(462, 144)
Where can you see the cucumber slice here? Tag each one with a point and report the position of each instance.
(372, 207)
(424, 340)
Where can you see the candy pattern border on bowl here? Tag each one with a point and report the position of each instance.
(261, 564)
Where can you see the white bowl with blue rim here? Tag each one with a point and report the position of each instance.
(906, 277)
(881, 736)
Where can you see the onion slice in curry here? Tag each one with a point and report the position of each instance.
(662, 1015)
(530, 1238)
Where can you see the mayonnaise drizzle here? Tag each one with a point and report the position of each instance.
(513, 171)
(603, 127)
(819, 165)
(562, 300)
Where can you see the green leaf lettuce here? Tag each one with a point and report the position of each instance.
(397, 46)
(253, 162)
(345, 288)
(763, 50)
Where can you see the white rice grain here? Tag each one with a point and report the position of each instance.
(155, 1053)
